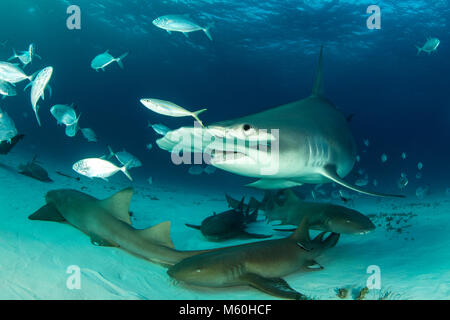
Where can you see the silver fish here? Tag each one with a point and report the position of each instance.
(38, 85)
(12, 73)
(180, 23)
(7, 90)
(104, 59)
(98, 168)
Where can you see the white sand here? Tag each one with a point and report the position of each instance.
(35, 255)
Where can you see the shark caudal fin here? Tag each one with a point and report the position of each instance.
(119, 205)
(329, 172)
(119, 59)
(159, 234)
(318, 84)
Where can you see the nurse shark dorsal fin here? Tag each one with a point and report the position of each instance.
(47, 213)
(318, 84)
(329, 171)
(159, 233)
(119, 204)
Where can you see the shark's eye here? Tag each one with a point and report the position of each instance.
(246, 127)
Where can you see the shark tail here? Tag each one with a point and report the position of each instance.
(195, 115)
(119, 59)
(14, 55)
(330, 173)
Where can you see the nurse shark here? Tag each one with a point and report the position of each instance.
(306, 141)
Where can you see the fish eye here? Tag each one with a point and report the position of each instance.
(246, 127)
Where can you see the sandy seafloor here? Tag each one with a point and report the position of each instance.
(34, 255)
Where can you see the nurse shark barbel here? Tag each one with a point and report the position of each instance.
(313, 144)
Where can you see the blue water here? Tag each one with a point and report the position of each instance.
(264, 54)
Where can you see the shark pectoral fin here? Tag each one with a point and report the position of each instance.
(98, 241)
(329, 172)
(312, 265)
(159, 233)
(192, 226)
(274, 286)
(248, 235)
(119, 205)
(273, 184)
(47, 213)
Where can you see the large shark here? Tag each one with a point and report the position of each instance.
(107, 222)
(314, 144)
(260, 264)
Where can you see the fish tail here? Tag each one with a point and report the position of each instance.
(37, 116)
(119, 59)
(196, 113)
(206, 31)
(13, 56)
(125, 171)
(419, 50)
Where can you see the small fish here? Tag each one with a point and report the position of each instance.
(210, 169)
(403, 155)
(366, 142)
(150, 180)
(104, 59)
(125, 158)
(362, 182)
(72, 130)
(358, 158)
(7, 127)
(195, 170)
(159, 128)
(64, 114)
(34, 170)
(26, 57)
(98, 168)
(430, 45)
(419, 175)
(170, 109)
(149, 146)
(89, 134)
(38, 85)
(420, 165)
(384, 157)
(421, 192)
(375, 182)
(402, 182)
(7, 90)
(12, 73)
(180, 23)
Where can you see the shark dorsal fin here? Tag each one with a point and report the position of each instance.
(301, 234)
(159, 233)
(119, 204)
(318, 84)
